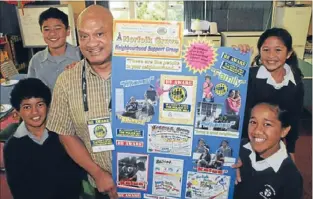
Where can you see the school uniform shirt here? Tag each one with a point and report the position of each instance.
(40, 168)
(288, 95)
(47, 68)
(275, 177)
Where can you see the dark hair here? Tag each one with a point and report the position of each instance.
(224, 141)
(29, 88)
(55, 14)
(282, 115)
(207, 76)
(230, 91)
(286, 38)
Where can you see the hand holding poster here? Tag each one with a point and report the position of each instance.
(177, 113)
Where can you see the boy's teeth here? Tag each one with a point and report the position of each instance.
(35, 118)
(259, 139)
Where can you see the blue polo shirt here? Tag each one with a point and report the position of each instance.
(47, 68)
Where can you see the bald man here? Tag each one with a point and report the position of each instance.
(82, 95)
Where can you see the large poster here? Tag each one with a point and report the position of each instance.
(177, 112)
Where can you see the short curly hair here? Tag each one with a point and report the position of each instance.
(29, 88)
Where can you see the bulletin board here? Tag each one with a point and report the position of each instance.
(177, 112)
(30, 29)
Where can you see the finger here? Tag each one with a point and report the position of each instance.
(235, 47)
(110, 195)
(115, 195)
(239, 162)
(238, 176)
(240, 48)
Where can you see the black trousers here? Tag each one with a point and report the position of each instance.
(101, 195)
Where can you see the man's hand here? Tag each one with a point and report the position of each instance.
(70, 66)
(105, 184)
(237, 167)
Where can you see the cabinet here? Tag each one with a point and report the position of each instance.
(235, 38)
(296, 20)
(216, 39)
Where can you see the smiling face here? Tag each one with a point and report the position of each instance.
(54, 33)
(33, 111)
(265, 130)
(95, 37)
(274, 53)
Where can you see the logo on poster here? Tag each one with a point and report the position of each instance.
(221, 89)
(178, 94)
(100, 131)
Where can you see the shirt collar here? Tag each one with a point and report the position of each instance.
(264, 74)
(92, 71)
(273, 161)
(70, 52)
(23, 131)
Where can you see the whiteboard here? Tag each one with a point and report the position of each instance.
(30, 29)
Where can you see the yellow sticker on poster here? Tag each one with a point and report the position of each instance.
(177, 104)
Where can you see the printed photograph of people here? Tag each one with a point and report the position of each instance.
(201, 146)
(131, 108)
(132, 170)
(233, 102)
(225, 149)
(151, 94)
(207, 87)
(209, 154)
(210, 117)
(140, 109)
(206, 114)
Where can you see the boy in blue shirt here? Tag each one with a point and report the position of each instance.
(49, 63)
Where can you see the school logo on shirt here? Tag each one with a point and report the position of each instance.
(100, 131)
(268, 192)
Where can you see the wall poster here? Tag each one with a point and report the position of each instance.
(177, 112)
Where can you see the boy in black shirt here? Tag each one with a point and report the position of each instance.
(37, 166)
(267, 171)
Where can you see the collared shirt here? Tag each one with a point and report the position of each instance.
(264, 74)
(67, 115)
(22, 131)
(47, 68)
(273, 161)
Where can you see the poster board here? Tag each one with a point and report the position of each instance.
(177, 112)
(30, 29)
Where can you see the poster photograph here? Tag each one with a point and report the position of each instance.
(132, 170)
